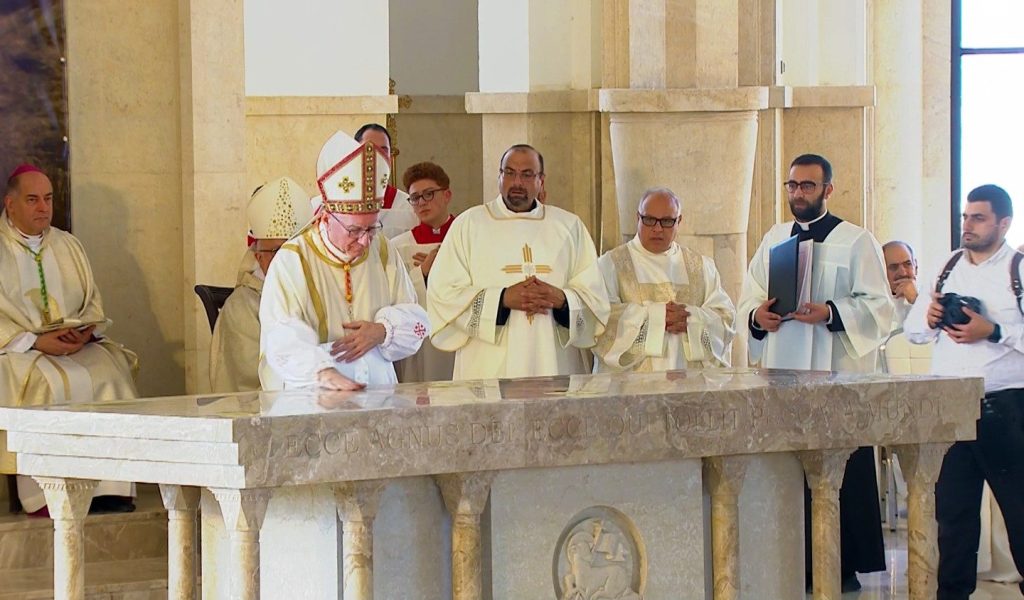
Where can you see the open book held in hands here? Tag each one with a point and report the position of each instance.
(67, 324)
(790, 265)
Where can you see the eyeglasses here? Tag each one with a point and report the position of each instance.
(359, 232)
(522, 175)
(652, 221)
(804, 186)
(424, 196)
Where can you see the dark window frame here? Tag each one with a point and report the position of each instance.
(955, 117)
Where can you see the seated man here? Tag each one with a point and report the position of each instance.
(669, 310)
(277, 211)
(429, 195)
(51, 324)
(338, 307)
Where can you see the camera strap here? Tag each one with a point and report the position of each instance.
(1015, 282)
(946, 270)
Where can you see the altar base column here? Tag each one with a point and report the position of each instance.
(182, 504)
(358, 502)
(465, 496)
(824, 470)
(921, 465)
(724, 476)
(68, 503)
(243, 512)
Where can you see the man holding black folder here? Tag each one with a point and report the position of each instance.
(845, 316)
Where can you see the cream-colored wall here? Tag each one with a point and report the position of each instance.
(124, 107)
(433, 46)
(824, 42)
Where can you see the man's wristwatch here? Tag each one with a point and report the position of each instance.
(997, 334)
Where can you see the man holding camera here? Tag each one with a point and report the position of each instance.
(976, 315)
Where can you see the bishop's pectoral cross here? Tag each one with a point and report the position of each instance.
(528, 268)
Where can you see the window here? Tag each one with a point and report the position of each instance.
(987, 100)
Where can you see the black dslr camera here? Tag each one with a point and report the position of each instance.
(953, 309)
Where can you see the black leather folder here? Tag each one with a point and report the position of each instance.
(783, 278)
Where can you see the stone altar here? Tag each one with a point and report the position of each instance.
(684, 484)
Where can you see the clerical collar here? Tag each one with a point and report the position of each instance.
(816, 230)
(501, 211)
(425, 234)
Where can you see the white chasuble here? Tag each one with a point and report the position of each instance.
(640, 284)
(101, 370)
(430, 363)
(304, 308)
(847, 270)
(489, 248)
(235, 348)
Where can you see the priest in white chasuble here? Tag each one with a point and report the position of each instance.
(668, 307)
(515, 290)
(430, 195)
(52, 347)
(338, 307)
(276, 211)
(849, 316)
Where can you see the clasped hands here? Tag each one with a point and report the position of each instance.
(809, 312)
(533, 297)
(425, 260)
(675, 317)
(977, 329)
(62, 342)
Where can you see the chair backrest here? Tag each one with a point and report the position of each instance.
(213, 298)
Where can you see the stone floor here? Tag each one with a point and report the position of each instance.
(892, 584)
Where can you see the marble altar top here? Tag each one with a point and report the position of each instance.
(264, 439)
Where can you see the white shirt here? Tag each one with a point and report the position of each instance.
(1002, 363)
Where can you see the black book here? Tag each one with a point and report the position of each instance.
(783, 275)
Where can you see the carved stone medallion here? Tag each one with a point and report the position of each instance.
(600, 556)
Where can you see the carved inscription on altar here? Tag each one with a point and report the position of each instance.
(599, 556)
(316, 444)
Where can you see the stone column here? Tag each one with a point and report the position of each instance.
(724, 476)
(921, 465)
(243, 512)
(825, 470)
(357, 506)
(68, 502)
(465, 495)
(182, 504)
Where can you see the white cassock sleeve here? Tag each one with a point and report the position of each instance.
(288, 343)
(755, 292)
(867, 311)
(405, 322)
(710, 329)
(585, 295)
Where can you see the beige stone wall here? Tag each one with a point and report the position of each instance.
(126, 174)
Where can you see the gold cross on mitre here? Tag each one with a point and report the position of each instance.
(346, 184)
(527, 268)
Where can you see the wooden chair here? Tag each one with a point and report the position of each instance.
(213, 298)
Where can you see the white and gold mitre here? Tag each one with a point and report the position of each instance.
(351, 175)
(278, 210)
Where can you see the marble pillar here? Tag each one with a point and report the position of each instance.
(724, 476)
(182, 504)
(243, 512)
(465, 496)
(824, 470)
(68, 502)
(921, 465)
(358, 502)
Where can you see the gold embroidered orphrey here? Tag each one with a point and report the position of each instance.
(599, 556)
(527, 268)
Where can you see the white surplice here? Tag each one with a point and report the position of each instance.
(303, 310)
(399, 218)
(489, 248)
(430, 363)
(640, 284)
(849, 271)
